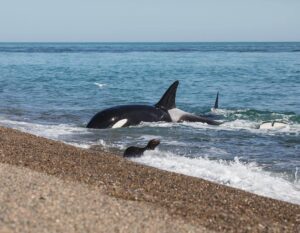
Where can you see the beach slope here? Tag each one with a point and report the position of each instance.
(50, 185)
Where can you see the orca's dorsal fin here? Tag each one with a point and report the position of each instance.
(217, 101)
(167, 101)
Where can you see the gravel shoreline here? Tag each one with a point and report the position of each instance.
(36, 202)
(195, 201)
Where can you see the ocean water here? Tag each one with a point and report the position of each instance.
(53, 89)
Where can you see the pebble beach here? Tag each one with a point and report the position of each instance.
(49, 186)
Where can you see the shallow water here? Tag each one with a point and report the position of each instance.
(54, 89)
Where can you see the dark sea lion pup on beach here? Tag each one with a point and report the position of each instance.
(134, 151)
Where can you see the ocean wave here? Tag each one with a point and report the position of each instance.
(110, 145)
(59, 132)
(235, 125)
(246, 176)
(160, 124)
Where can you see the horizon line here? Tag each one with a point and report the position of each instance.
(119, 42)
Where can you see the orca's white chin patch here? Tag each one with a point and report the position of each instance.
(119, 123)
(176, 114)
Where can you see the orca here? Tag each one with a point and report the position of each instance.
(134, 151)
(128, 115)
(214, 110)
(216, 106)
(214, 113)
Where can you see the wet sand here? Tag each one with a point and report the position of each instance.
(145, 197)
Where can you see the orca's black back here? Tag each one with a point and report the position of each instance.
(134, 114)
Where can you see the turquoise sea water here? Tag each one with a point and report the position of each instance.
(53, 89)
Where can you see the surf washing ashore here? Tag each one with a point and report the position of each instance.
(92, 178)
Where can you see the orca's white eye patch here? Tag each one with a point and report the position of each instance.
(119, 123)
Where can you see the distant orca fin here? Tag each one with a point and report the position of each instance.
(217, 101)
(167, 101)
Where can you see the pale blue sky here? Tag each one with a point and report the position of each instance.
(151, 20)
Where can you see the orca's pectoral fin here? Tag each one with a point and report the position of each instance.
(217, 101)
(167, 101)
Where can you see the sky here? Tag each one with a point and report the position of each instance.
(149, 20)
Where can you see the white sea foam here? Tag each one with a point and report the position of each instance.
(100, 85)
(147, 137)
(175, 143)
(246, 176)
(108, 146)
(243, 125)
(224, 112)
(81, 145)
(159, 124)
(54, 132)
(254, 127)
(238, 124)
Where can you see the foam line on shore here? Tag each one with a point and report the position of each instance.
(245, 176)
